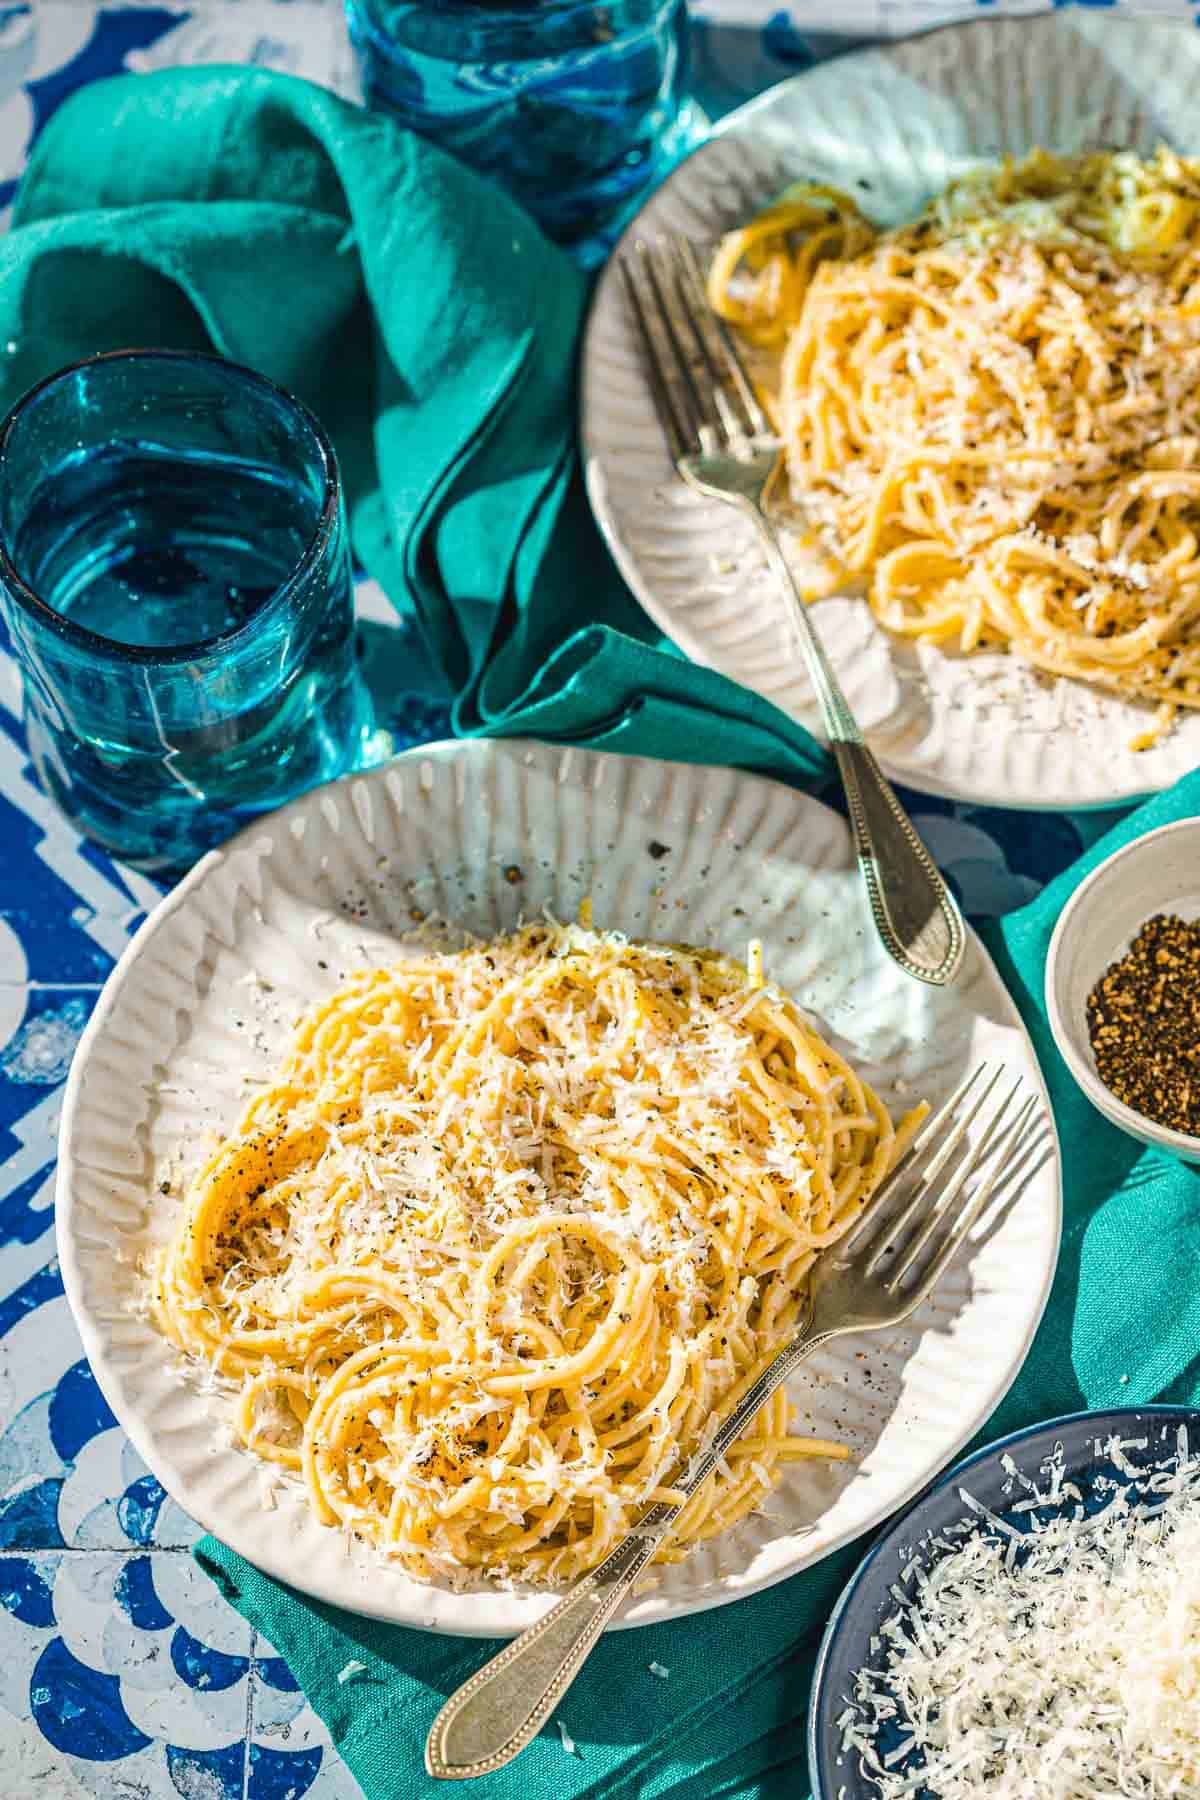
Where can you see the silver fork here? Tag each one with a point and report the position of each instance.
(876, 1276)
(722, 444)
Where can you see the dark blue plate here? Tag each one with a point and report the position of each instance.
(866, 1602)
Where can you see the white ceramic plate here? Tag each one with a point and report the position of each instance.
(893, 126)
(665, 851)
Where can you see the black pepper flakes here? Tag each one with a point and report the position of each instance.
(1143, 1019)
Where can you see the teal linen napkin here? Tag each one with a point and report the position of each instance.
(430, 326)
(1122, 1326)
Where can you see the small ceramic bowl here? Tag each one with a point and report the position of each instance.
(1157, 873)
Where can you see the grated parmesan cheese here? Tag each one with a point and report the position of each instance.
(1054, 1659)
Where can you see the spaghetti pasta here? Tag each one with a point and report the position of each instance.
(512, 1229)
(991, 416)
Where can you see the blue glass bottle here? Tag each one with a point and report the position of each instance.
(175, 578)
(573, 106)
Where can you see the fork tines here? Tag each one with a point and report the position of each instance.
(926, 1206)
(704, 394)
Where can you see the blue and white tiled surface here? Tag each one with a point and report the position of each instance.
(123, 1674)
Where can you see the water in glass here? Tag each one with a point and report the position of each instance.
(176, 581)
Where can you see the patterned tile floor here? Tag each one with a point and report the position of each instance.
(123, 1674)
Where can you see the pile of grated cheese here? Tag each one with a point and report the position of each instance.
(1056, 1657)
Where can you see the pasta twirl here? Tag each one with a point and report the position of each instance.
(992, 415)
(511, 1226)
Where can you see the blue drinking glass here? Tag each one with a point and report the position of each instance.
(572, 105)
(175, 577)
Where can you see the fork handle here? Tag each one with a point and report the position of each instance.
(914, 912)
(503, 1706)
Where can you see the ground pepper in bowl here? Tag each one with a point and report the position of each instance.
(1143, 1018)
